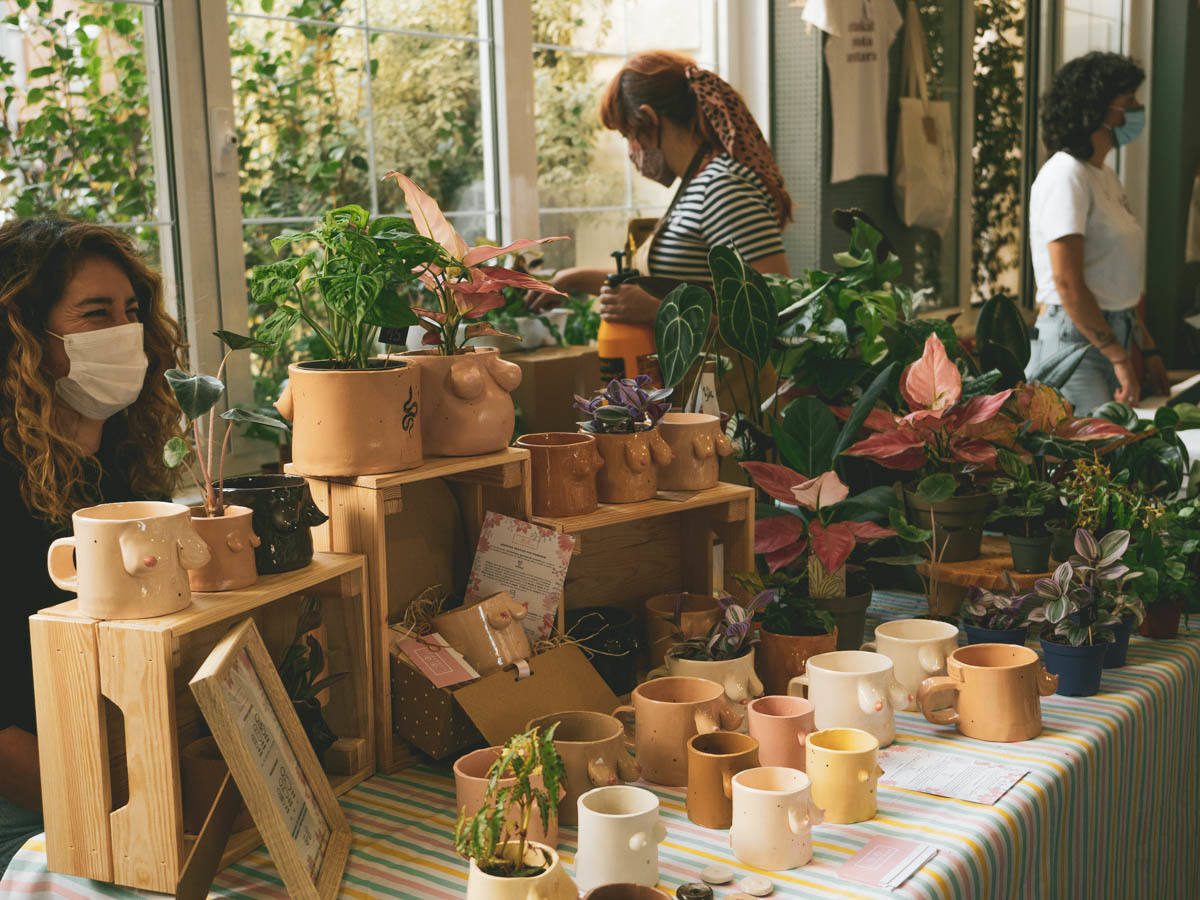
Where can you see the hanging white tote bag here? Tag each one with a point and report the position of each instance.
(925, 172)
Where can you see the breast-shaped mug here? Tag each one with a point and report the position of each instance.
(488, 634)
(853, 689)
(563, 469)
(917, 648)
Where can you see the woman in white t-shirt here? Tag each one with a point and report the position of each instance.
(1088, 249)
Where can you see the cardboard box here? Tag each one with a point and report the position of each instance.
(550, 379)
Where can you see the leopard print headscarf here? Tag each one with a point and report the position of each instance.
(739, 134)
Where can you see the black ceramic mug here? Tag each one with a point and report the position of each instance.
(284, 512)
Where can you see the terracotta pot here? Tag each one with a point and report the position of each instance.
(284, 514)
(843, 764)
(713, 760)
(917, 648)
(625, 891)
(853, 689)
(781, 657)
(231, 543)
(666, 712)
(470, 788)
(129, 559)
(697, 615)
(563, 469)
(353, 421)
(488, 634)
(201, 771)
(997, 690)
(631, 464)
(619, 834)
(1162, 620)
(959, 523)
(552, 883)
(467, 409)
(773, 816)
(850, 611)
(781, 725)
(737, 676)
(697, 442)
(593, 751)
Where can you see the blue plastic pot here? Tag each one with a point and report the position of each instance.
(1078, 668)
(1115, 657)
(977, 635)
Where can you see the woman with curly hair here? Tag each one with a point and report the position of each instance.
(84, 413)
(1088, 249)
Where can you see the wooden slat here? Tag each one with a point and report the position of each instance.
(696, 552)
(733, 495)
(72, 746)
(433, 467)
(350, 711)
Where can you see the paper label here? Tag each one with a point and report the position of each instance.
(438, 661)
(886, 862)
(945, 775)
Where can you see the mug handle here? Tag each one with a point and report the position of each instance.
(60, 556)
(869, 646)
(617, 714)
(933, 686)
(1047, 683)
(727, 784)
(798, 686)
(659, 672)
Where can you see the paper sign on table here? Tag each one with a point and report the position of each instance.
(438, 661)
(886, 862)
(946, 775)
(528, 561)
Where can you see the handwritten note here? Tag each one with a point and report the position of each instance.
(946, 775)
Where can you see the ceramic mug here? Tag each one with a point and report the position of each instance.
(997, 692)
(488, 634)
(773, 815)
(619, 834)
(781, 725)
(131, 559)
(563, 469)
(698, 613)
(853, 689)
(737, 676)
(917, 648)
(843, 764)
(697, 442)
(713, 760)
(666, 712)
(593, 751)
(471, 776)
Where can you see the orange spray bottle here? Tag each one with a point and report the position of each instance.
(620, 345)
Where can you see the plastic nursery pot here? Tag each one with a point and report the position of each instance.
(1062, 542)
(611, 634)
(563, 469)
(631, 464)
(781, 657)
(353, 421)
(1114, 658)
(698, 613)
(231, 544)
(1030, 554)
(552, 883)
(284, 514)
(977, 635)
(959, 523)
(1162, 620)
(849, 612)
(1078, 668)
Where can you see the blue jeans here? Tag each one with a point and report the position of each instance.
(17, 825)
(1094, 382)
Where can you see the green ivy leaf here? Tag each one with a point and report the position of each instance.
(746, 311)
(241, 342)
(196, 394)
(680, 330)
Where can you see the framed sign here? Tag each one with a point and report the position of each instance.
(271, 760)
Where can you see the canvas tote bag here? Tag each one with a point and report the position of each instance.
(925, 171)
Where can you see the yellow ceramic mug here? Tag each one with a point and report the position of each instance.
(844, 768)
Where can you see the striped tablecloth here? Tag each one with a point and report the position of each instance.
(1110, 808)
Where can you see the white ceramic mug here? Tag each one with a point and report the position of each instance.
(619, 834)
(917, 648)
(853, 689)
(773, 815)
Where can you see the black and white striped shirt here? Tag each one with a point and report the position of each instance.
(725, 203)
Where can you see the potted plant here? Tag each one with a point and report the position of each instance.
(996, 617)
(1108, 579)
(1166, 548)
(1025, 502)
(505, 864)
(227, 530)
(305, 675)
(792, 627)
(623, 421)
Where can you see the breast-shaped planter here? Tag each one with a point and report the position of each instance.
(698, 443)
(631, 465)
(284, 515)
(231, 542)
(466, 408)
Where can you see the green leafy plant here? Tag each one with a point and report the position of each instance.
(583, 325)
(507, 810)
(1100, 501)
(1157, 459)
(792, 610)
(300, 671)
(1021, 495)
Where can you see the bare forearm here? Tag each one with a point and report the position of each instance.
(20, 782)
(1080, 305)
(580, 280)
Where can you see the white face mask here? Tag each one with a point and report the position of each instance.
(108, 368)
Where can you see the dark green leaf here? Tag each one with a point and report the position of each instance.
(175, 451)
(936, 488)
(680, 330)
(1057, 369)
(1165, 417)
(746, 312)
(905, 530)
(813, 431)
(390, 310)
(245, 416)
(862, 409)
(872, 505)
(196, 394)
(241, 342)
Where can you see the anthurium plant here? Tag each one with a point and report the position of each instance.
(624, 407)
(733, 634)
(1086, 594)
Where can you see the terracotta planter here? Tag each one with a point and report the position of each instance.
(698, 614)
(470, 788)
(552, 883)
(467, 410)
(201, 771)
(353, 421)
(773, 816)
(1162, 620)
(128, 560)
(713, 760)
(231, 543)
(853, 689)
(918, 649)
(488, 634)
(850, 611)
(781, 657)
(843, 764)
(284, 514)
(959, 523)
(736, 676)
(593, 751)
(697, 442)
(781, 725)
(563, 469)
(631, 464)
(619, 834)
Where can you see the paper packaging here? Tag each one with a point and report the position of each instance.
(886, 862)
(438, 661)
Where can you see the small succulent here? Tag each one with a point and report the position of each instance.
(997, 610)
(732, 635)
(624, 406)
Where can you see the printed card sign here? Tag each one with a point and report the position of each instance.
(528, 561)
(886, 862)
(944, 775)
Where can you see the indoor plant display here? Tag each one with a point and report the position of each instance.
(791, 629)
(504, 862)
(996, 617)
(1025, 503)
(623, 420)
(303, 671)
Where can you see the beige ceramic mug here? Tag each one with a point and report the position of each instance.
(917, 648)
(773, 814)
(697, 443)
(130, 559)
(843, 764)
(853, 689)
(997, 692)
(737, 676)
(488, 634)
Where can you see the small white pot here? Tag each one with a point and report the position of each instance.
(533, 332)
(551, 884)
(737, 676)
(773, 815)
(853, 689)
(619, 834)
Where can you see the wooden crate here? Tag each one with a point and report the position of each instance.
(114, 707)
(417, 528)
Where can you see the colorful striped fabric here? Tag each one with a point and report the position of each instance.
(1109, 809)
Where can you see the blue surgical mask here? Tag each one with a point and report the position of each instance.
(1129, 130)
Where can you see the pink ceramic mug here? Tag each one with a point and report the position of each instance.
(781, 724)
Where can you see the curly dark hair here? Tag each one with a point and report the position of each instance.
(1079, 98)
